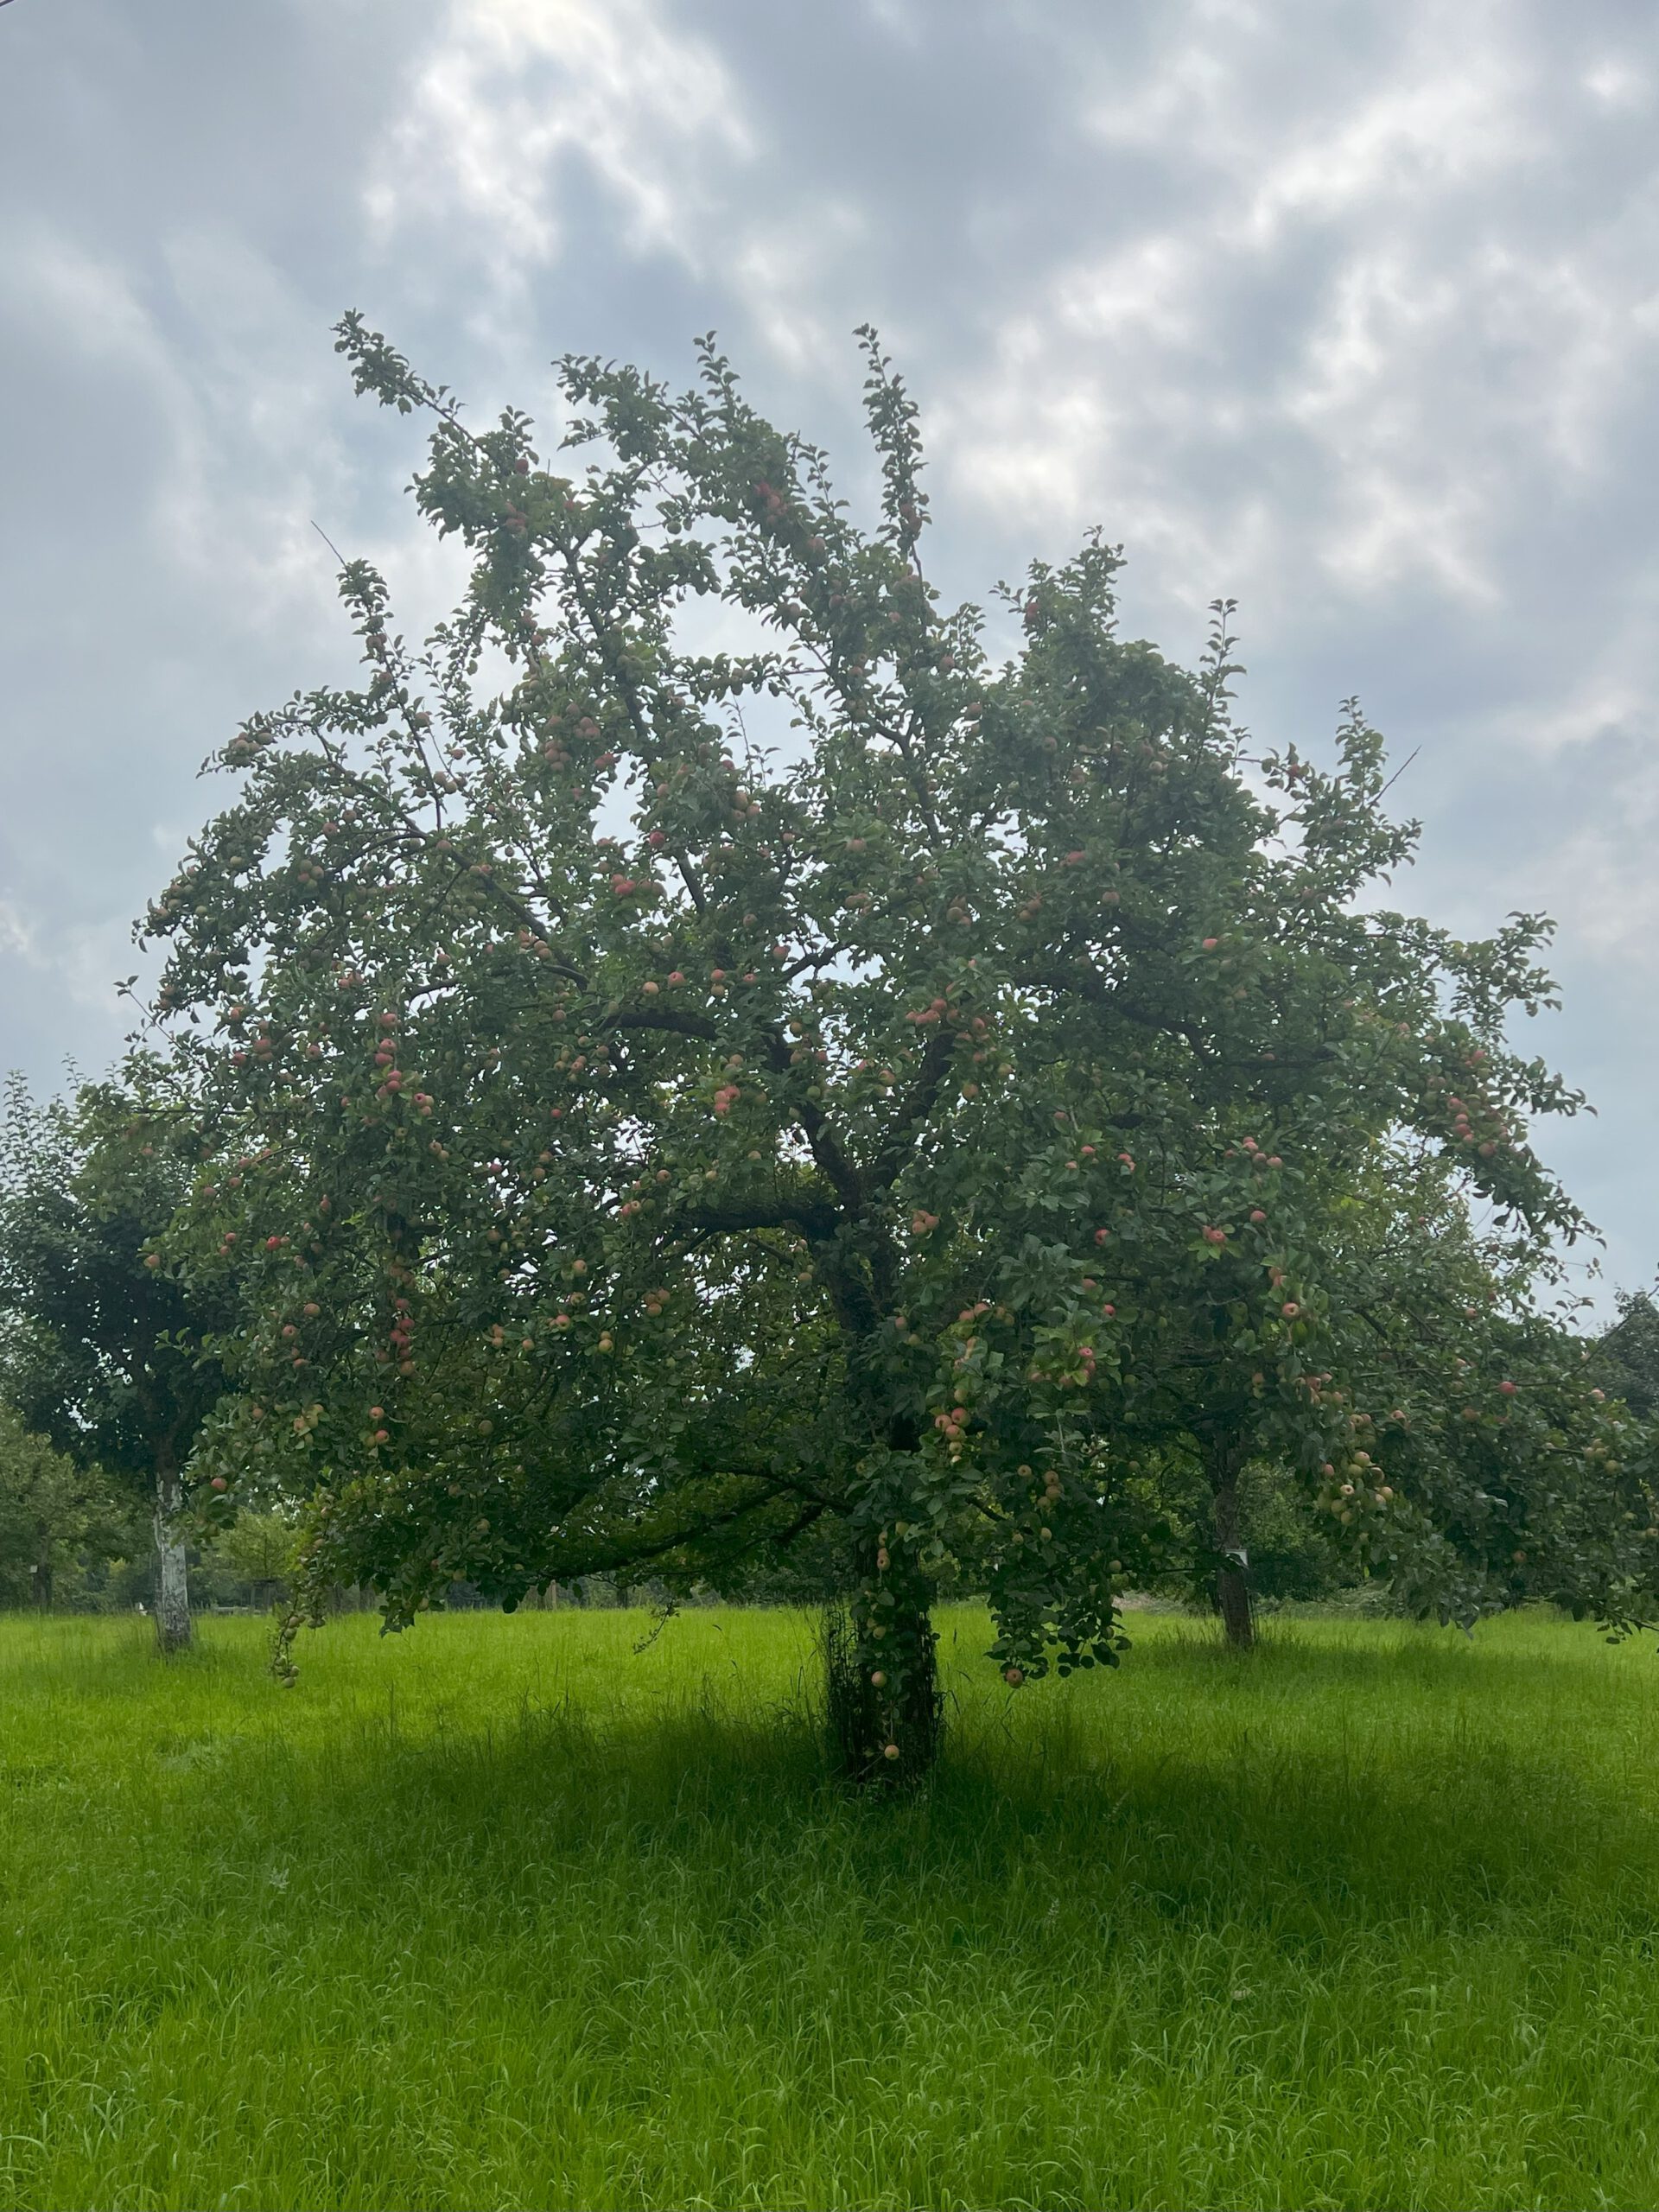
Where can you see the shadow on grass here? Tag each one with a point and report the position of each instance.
(1305, 1825)
(1350, 1654)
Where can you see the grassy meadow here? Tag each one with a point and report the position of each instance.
(502, 1912)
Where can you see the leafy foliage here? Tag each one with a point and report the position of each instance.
(105, 1353)
(719, 1051)
(1626, 1356)
(254, 1550)
(52, 1512)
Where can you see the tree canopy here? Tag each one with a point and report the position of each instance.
(1627, 1353)
(724, 1042)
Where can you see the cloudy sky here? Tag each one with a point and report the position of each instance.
(1347, 309)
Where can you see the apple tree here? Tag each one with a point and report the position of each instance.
(1472, 1461)
(726, 1045)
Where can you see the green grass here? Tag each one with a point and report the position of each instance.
(498, 1913)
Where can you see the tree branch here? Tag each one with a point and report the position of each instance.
(677, 1025)
(818, 1222)
(918, 1102)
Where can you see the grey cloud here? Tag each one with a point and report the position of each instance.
(1350, 311)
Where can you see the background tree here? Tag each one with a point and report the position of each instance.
(255, 1550)
(1472, 1391)
(689, 1093)
(53, 1513)
(1626, 1354)
(104, 1352)
(1472, 1461)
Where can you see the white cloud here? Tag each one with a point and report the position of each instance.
(511, 87)
(1617, 84)
(1418, 351)
(1606, 897)
(80, 963)
(17, 933)
(1455, 121)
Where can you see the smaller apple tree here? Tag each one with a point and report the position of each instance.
(1473, 1463)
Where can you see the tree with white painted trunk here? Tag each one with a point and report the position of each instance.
(104, 1351)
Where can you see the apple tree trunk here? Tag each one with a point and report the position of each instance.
(866, 1718)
